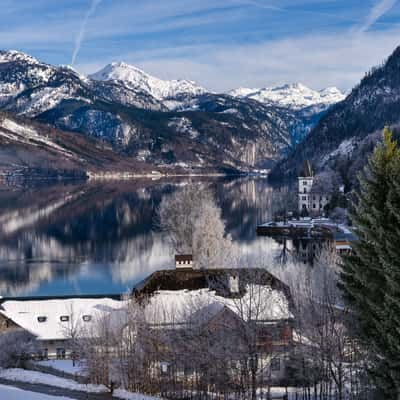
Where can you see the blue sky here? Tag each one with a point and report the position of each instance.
(221, 44)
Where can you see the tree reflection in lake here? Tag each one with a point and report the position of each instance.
(102, 237)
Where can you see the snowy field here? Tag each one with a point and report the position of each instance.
(21, 375)
(11, 393)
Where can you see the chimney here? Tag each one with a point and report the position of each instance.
(183, 261)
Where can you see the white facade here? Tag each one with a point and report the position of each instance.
(312, 202)
(305, 185)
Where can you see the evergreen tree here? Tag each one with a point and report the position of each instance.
(391, 264)
(365, 276)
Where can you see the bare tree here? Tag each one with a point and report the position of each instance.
(72, 330)
(327, 361)
(16, 347)
(192, 221)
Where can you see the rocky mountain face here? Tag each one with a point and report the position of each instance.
(347, 133)
(29, 149)
(167, 124)
(308, 105)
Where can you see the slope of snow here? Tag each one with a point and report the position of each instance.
(26, 313)
(13, 393)
(21, 375)
(24, 134)
(135, 78)
(295, 96)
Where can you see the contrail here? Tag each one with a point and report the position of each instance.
(379, 9)
(82, 31)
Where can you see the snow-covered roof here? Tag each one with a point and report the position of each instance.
(28, 314)
(260, 303)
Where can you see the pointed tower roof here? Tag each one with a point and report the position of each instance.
(307, 171)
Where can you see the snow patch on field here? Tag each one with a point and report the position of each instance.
(22, 375)
(12, 393)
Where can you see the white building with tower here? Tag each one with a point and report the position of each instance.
(312, 198)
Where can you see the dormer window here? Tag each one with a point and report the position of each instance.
(42, 319)
(87, 318)
(64, 318)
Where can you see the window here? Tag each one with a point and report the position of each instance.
(276, 335)
(87, 318)
(64, 318)
(276, 364)
(42, 319)
(314, 205)
(305, 190)
(304, 197)
(305, 183)
(313, 197)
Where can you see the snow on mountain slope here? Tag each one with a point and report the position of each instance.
(135, 78)
(295, 96)
(19, 133)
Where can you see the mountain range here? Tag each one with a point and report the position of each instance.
(348, 132)
(147, 123)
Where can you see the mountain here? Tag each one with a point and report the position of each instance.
(29, 149)
(216, 133)
(174, 126)
(347, 133)
(135, 78)
(295, 96)
(307, 105)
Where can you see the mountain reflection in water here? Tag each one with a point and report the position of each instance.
(102, 237)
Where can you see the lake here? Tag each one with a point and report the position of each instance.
(102, 237)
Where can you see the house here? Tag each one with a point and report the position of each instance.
(222, 303)
(312, 198)
(54, 321)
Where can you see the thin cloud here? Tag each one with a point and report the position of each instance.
(315, 60)
(377, 11)
(81, 34)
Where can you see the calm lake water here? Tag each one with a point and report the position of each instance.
(102, 237)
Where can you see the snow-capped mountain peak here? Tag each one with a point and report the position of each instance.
(293, 95)
(135, 78)
(14, 55)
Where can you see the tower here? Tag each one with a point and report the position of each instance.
(305, 180)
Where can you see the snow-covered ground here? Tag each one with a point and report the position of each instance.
(11, 393)
(61, 365)
(21, 375)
